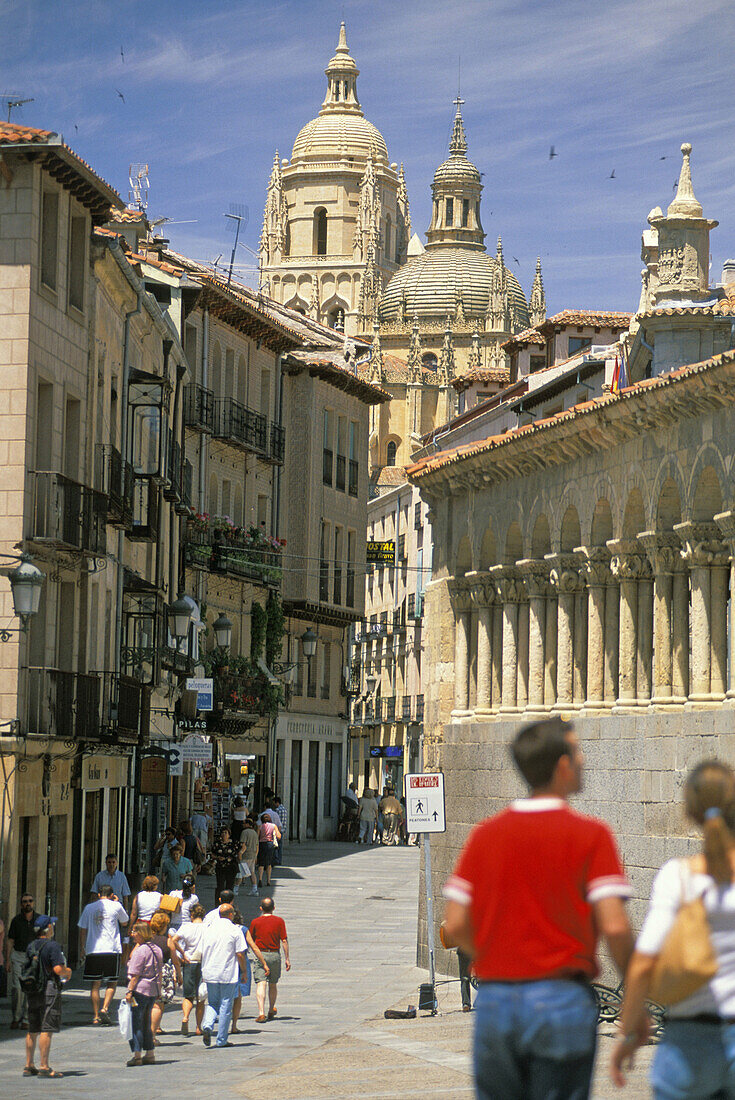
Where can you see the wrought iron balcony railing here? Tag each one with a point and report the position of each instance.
(198, 408)
(67, 514)
(114, 478)
(240, 426)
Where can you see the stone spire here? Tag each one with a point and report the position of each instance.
(377, 374)
(342, 74)
(446, 360)
(275, 215)
(685, 204)
(474, 362)
(403, 228)
(537, 303)
(683, 244)
(458, 140)
(414, 353)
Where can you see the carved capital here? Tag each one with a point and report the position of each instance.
(459, 594)
(726, 523)
(663, 549)
(564, 573)
(509, 583)
(483, 591)
(627, 561)
(595, 563)
(702, 544)
(535, 576)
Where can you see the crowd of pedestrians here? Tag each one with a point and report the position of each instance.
(160, 939)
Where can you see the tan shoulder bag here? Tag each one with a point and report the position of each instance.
(687, 960)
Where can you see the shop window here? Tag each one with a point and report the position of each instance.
(49, 238)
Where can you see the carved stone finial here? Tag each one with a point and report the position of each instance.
(538, 297)
(685, 204)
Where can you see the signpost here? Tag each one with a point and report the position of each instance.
(204, 690)
(426, 813)
(175, 760)
(381, 553)
(196, 750)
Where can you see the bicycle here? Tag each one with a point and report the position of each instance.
(610, 1002)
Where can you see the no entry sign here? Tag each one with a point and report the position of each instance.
(425, 803)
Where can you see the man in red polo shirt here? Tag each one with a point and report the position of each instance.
(269, 932)
(533, 889)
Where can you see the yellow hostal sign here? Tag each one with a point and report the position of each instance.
(381, 553)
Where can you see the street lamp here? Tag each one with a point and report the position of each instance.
(26, 581)
(371, 682)
(179, 618)
(308, 642)
(223, 631)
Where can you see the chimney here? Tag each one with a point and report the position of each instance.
(728, 272)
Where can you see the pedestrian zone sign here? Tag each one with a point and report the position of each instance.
(204, 690)
(425, 803)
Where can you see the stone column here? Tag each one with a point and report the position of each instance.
(596, 566)
(662, 549)
(644, 661)
(612, 640)
(627, 565)
(535, 575)
(580, 643)
(680, 635)
(564, 576)
(461, 604)
(497, 654)
(522, 685)
(550, 663)
(483, 596)
(511, 593)
(726, 523)
(706, 557)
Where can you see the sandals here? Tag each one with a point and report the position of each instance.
(30, 1071)
(272, 1014)
(49, 1073)
(260, 1019)
(133, 1062)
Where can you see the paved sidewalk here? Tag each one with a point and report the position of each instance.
(351, 918)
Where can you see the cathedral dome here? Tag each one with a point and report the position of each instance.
(335, 136)
(431, 286)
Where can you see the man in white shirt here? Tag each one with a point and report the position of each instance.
(223, 946)
(188, 900)
(200, 823)
(100, 949)
(112, 876)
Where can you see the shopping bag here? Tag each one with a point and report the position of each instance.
(125, 1020)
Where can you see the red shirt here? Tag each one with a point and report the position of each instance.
(268, 931)
(530, 876)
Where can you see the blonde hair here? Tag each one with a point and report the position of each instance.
(159, 923)
(709, 796)
(140, 928)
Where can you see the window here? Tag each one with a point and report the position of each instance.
(417, 515)
(262, 511)
(71, 438)
(320, 232)
(328, 455)
(388, 231)
(326, 669)
(465, 212)
(341, 459)
(538, 362)
(324, 563)
(229, 372)
(390, 454)
(190, 348)
(450, 212)
(429, 360)
(350, 595)
(49, 238)
(77, 258)
(265, 392)
(577, 343)
(300, 659)
(338, 565)
(287, 240)
(311, 678)
(226, 496)
(353, 468)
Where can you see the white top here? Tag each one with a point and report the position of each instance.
(186, 906)
(220, 943)
(275, 818)
(718, 995)
(117, 881)
(200, 821)
(148, 902)
(102, 920)
(239, 813)
(189, 937)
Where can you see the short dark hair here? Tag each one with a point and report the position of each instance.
(226, 897)
(267, 905)
(538, 748)
(106, 891)
(197, 912)
(110, 855)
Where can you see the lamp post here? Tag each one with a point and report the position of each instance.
(308, 643)
(179, 618)
(26, 581)
(222, 631)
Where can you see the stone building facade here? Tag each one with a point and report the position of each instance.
(584, 565)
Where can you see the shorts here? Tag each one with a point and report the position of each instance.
(44, 1010)
(192, 976)
(273, 958)
(104, 966)
(266, 853)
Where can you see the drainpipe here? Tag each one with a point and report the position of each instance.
(205, 384)
(279, 422)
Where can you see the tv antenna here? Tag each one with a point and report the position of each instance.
(239, 214)
(11, 100)
(139, 185)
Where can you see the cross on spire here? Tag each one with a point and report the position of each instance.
(458, 142)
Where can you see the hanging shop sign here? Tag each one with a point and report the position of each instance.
(381, 553)
(195, 750)
(204, 692)
(153, 775)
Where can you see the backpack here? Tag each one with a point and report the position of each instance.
(33, 975)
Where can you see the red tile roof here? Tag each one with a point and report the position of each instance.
(129, 216)
(470, 377)
(725, 307)
(89, 187)
(467, 450)
(332, 366)
(582, 318)
(528, 336)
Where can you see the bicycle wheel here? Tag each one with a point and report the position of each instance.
(609, 1002)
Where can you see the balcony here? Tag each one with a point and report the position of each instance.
(417, 520)
(173, 485)
(278, 444)
(114, 478)
(146, 496)
(198, 408)
(340, 478)
(419, 708)
(323, 581)
(234, 552)
(406, 708)
(353, 478)
(184, 506)
(68, 515)
(122, 708)
(245, 694)
(327, 462)
(63, 704)
(389, 708)
(350, 593)
(240, 426)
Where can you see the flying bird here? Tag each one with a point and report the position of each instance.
(663, 158)
(552, 153)
(122, 97)
(122, 55)
(612, 175)
(516, 260)
(76, 127)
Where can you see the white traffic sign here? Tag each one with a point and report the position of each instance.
(175, 760)
(205, 692)
(196, 750)
(425, 803)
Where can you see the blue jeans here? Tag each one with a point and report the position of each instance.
(220, 996)
(534, 1040)
(142, 1032)
(695, 1061)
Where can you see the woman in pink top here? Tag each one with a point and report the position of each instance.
(268, 834)
(145, 966)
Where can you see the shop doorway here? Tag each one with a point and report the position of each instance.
(92, 855)
(312, 805)
(55, 893)
(294, 815)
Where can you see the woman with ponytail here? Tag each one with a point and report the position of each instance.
(696, 1057)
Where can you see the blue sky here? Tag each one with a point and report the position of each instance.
(211, 89)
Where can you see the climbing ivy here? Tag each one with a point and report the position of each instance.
(275, 628)
(258, 621)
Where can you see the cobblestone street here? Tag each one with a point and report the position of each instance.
(351, 918)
